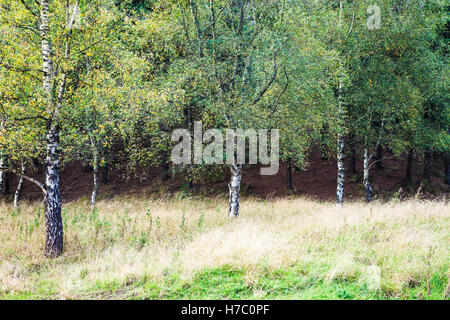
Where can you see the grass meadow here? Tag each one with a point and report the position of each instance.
(187, 248)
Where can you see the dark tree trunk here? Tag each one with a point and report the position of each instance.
(378, 158)
(105, 174)
(4, 175)
(409, 163)
(165, 174)
(352, 164)
(36, 163)
(446, 158)
(289, 173)
(190, 184)
(4, 183)
(427, 165)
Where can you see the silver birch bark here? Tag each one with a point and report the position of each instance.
(4, 176)
(95, 171)
(340, 139)
(366, 179)
(19, 186)
(53, 219)
(341, 170)
(235, 187)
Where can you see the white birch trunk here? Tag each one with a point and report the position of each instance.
(235, 187)
(95, 171)
(366, 180)
(53, 219)
(4, 176)
(341, 171)
(19, 186)
(340, 140)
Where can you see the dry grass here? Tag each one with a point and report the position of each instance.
(130, 238)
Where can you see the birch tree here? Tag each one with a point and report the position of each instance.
(46, 31)
(235, 46)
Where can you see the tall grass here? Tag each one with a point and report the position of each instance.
(384, 247)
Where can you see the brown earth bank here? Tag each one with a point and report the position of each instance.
(316, 181)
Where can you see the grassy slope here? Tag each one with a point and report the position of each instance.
(187, 248)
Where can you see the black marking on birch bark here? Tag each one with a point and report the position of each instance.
(341, 171)
(53, 219)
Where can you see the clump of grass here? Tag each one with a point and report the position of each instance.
(277, 248)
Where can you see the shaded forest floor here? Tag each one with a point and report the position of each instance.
(317, 181)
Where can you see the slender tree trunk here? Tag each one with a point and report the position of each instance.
(105, 174)
(427, 165)
(341, 171)
(289, 173)
(4, 175)
(366, 181)
(53, 220)
(340, 151)
(19, 186)
(379, 157)
(409, 163)
(95, 170)
(340, 138)
(36, 163)
(235, 187)
(165, 174)
(95, 191)
(352, 164)
(446, 159)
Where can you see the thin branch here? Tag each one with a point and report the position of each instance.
(379, 160)
(270, 82)
(32, 180)
(353, 21)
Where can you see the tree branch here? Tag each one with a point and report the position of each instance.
(32, 180)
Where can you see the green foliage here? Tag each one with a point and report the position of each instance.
(137, 70)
